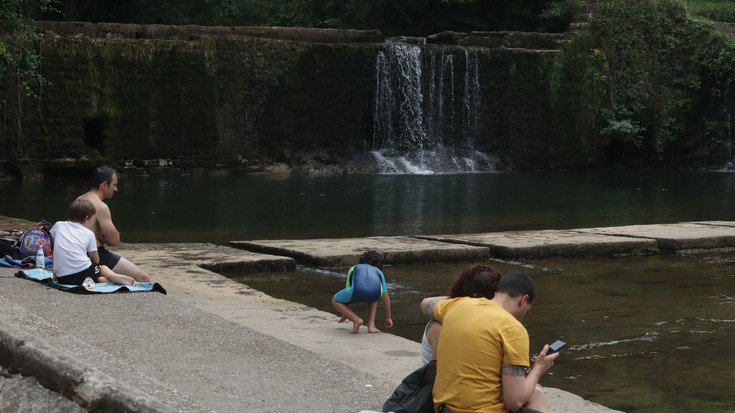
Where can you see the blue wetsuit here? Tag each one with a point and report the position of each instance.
(365, 284)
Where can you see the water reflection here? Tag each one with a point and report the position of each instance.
(218, 209)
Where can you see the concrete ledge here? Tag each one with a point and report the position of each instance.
(585, 242)
(677, 237)
(29, 356)
(333, 252)
(716, 223)
(282, 255)
(212, 257)
(542, 244)
(189, 33)
(498, 39)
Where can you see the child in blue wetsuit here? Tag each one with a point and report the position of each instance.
(365, 284)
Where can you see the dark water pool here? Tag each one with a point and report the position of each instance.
(195, 208)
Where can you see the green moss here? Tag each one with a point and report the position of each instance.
(152, 99)
(646, 251)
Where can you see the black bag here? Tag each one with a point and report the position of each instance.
(413, 395)
(9, 240)
(23, 244)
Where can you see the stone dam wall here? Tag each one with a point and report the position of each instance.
(260, 97)
(309, 101)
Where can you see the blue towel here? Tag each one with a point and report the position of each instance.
(44, 277)
(28, 262)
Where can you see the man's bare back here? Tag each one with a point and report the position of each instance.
(93, 224)
(104, 187)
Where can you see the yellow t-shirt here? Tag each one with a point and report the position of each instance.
(477, 337)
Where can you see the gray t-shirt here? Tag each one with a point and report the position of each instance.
(426, 351)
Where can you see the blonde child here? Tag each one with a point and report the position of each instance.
(75, 250)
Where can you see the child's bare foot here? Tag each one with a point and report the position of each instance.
(373, 330)
(342, 319)
(356, 326)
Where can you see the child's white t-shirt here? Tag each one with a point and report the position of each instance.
(72, 243)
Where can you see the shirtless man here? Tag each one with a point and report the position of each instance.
(104, 186)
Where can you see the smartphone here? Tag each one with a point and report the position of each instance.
(555, 346)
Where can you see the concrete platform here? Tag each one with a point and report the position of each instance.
(210, 345)
(335, 252)
(677, 237)
(217, 258)
(585, 242)
(213, 344)
(551, 243)
(717, 223)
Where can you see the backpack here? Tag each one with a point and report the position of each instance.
(34, 238)
(8, 241)
(413, 395)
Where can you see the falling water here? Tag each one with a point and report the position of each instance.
(399, 102)
(729, 134)
(426, 116)
(724, 133)
(471, 97)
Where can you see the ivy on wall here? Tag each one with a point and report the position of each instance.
(20, 76)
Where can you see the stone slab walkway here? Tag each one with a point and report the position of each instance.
(335, 252)
(551, 243)
(677, 237)
(584, 242)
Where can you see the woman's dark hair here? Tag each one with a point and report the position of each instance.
(476, 281)
(373, 258)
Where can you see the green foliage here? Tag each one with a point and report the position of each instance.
(19, 67)
(716, 10)
(558, 15)
(625, 130)
(578, 83)
(392, 17)
(642, 80)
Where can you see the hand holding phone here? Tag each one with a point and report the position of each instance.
(555, 346)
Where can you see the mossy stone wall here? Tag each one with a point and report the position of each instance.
(120, 93)
(122, 98)
(244, 98)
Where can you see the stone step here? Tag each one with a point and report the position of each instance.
(340, 252)
(585, 242)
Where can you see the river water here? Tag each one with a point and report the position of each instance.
(645, 334)
(223, 208)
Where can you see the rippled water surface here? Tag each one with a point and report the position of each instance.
(645, 334)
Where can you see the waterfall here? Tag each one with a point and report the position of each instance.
(426, 113)
(471, 97)
(399, 100)
(724, 133)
